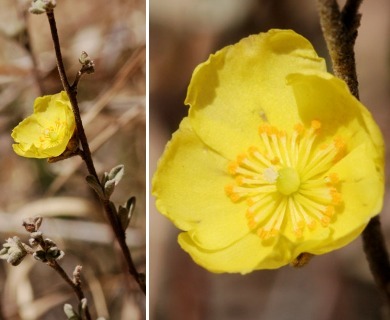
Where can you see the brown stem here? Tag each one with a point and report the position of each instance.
(71, 95)
(76, 80)
(378, 258)
(87, 157)
(120, 234)
(340, 32)
(76, 288)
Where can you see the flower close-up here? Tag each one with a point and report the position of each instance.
(47, 131)
(275, 159)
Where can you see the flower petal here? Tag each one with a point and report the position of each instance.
(326, 98)
(244, 256)
(189, 187)
(241, 85)
(362, 190)
(221, 228)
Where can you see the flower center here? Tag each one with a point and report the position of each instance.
(287, 180)
(50, 136)
(53, 135)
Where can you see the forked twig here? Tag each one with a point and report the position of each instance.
(340, 32)
(87, 157)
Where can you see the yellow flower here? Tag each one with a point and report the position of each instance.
(275, 159)
(48, 130)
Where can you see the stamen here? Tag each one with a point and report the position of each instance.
(255, 153)
(287, 177)
(251, 180)
(272, 227)
(315, 124)
(332, 179)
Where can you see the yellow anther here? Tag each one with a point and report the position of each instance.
(229, 189)
(315, 124)
(274, 131)
(250, 202)
(329, 212)
(252, 150)
(340, 147)
(240, 180)
(299, 128)
(282, 134)
(339, 143)
(265, 128)
(336, 196)
(325, 221)
(252, 224)
(332, 178)
(280, 178)
(260, 232)
(263, 234)
(241, 158)
(298, 232)
(249, 214)
(234, 196)
(232, 168)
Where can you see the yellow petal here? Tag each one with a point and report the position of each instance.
(189, 182)
(362, 191)
(241, 85)
(244, 256)
(41, 103)
(326, 98)
(221, 228)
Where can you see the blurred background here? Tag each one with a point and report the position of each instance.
(112, 101)
(334, 286)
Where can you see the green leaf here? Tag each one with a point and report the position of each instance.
(109, 188)
(125, 213)
(70, 313)
(116, 173)
(104, 178)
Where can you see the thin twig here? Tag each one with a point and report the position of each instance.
(340, 31)
(95, 144)
(32, 225)
(378, 258)
(27, 45)
(76, 288)
(87, 157)
(72, 97)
